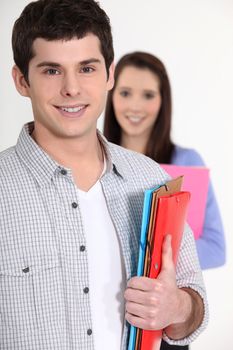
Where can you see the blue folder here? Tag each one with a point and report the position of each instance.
(142, 250)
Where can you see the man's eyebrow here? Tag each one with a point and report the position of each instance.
(56, 65)
(48, 64)
(90, 60)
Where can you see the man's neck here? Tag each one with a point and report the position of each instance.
(82, 155)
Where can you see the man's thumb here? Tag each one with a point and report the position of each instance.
(167, 262)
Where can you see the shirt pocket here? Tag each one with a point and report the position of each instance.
(29, 290)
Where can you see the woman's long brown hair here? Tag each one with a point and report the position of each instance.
(160, 145)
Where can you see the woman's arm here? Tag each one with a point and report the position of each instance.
(211, 244)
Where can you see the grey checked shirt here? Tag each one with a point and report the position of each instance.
(44, 299)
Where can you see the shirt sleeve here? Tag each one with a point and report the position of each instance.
(211, 244)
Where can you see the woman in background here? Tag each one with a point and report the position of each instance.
(138, 117)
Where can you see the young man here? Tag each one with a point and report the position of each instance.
(71, 203)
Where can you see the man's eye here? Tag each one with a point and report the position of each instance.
(124, 93)
(87, 70)
(52, 71)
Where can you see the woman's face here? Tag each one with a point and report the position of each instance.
(136, 101)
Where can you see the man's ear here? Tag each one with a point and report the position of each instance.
(111, 76)
(20, 82)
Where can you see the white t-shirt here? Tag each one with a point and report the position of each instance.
(106, 270)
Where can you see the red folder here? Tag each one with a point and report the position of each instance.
(170, 219)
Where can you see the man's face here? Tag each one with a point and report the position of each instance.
(67, 86)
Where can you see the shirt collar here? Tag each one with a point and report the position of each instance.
(43, 167)
(39, 163)
(113, 163)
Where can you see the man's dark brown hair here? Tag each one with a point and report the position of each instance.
(60, 20)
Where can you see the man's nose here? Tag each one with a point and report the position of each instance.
(70, 86)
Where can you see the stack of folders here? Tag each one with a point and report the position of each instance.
(164, 212)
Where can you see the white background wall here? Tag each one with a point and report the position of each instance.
(194, 38)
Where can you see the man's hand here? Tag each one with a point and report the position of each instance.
(157, 303)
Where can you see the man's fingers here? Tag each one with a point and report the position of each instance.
(140, 310)
(142, 323)
(142, 297)
(141, 283)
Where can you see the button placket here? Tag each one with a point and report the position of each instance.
(74, 211)
(69, 195)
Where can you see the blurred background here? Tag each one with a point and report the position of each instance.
(194, 39)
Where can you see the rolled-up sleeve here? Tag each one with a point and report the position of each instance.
(189, 275)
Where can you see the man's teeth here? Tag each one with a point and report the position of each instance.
(72, 109)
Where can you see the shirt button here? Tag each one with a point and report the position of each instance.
(86, 290)
(89, 332)
(74, 205)
(82, 248)
(63, 172)
(26, 270)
